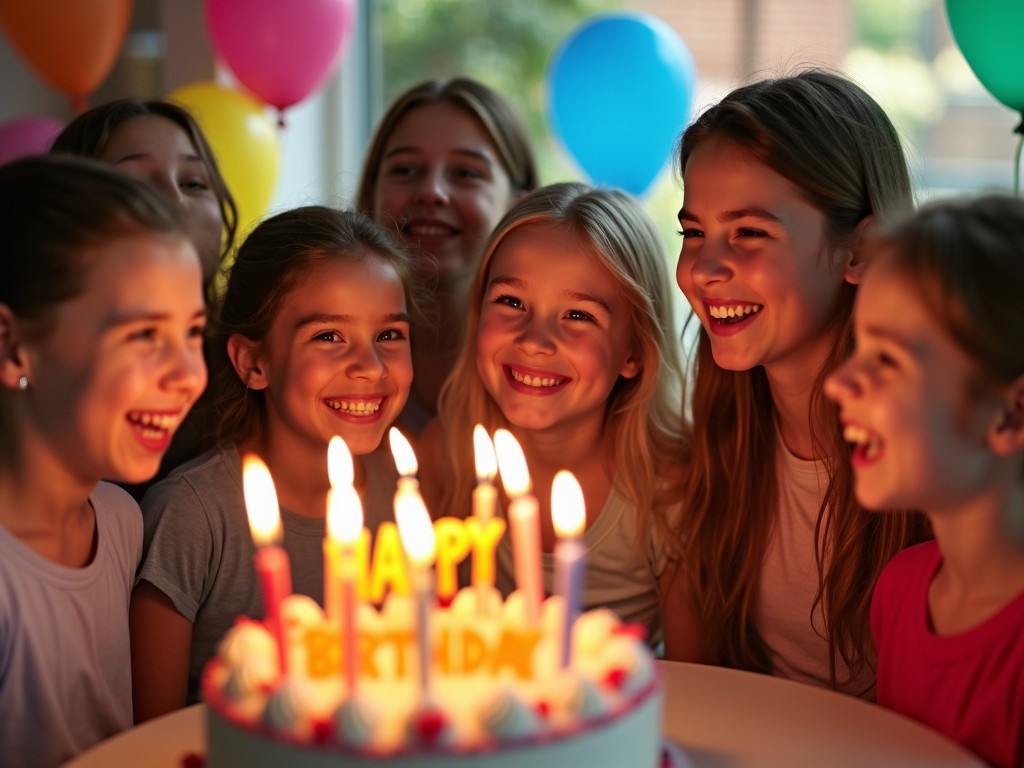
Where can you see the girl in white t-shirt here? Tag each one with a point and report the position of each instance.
(101, 327)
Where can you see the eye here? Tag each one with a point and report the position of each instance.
(146, 334)
(466, 173)
(197, 330)
(330, 336)
(509, 301)
(392, 334)
(750, 232)
(579, 314)
(687, 232)
(401, 170)
(887, 361)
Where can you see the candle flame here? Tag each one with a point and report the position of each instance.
(568, 509)
(401, 449)
(340, 470)
(483, 452)
(415, 528)
(260, 501)
(514, 474)
(344, 514)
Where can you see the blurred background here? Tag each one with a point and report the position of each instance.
(958, 137)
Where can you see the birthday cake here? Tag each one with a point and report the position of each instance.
(496, 690)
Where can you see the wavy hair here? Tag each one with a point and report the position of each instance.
(643, 418)
(830, 139)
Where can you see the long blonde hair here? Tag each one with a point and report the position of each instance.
(643, 417)
(832, 141)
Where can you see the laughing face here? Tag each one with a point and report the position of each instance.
(122, 364)
(755, 265)
(337, 359)
(554, 333)
(918, 432)
(442, 187)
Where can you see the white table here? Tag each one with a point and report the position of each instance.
(721, 718)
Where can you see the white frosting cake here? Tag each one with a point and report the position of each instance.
(496, 693)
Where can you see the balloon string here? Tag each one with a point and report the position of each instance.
(1019, 130)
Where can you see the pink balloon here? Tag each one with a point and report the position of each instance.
(281, 51)
(27, 136)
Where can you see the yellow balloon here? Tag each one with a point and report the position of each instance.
(245, 141)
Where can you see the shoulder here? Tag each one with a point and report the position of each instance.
(912, 560)
(216, 469)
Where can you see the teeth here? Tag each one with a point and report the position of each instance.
(536, 381)
(737, 310)
(858, 435)
(360, 407)
(153, 423)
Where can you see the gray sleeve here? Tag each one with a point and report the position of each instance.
(180, 546)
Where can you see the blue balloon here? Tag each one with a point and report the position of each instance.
(620, 91)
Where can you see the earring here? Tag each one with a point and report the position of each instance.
(23, 383)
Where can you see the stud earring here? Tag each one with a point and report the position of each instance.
(23, 383)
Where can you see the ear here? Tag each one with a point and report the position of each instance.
(1006, 435)
(247, 361)
(855, 259)
(631, 367)
(13, 364)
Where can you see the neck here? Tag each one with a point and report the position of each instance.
(792, 400)
(299, 470)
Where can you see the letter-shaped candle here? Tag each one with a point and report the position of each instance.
(417, 534)
(271, 560)
(569, 515)
(341, 567)
(485, 498)
(524, 522)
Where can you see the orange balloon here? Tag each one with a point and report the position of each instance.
(71, 45)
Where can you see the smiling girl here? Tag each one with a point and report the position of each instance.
(312, 342)
(782, 179)
(933, 402)
(571, 348)
(101, 326)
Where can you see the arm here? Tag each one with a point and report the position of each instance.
(684, 636)
(161, 644)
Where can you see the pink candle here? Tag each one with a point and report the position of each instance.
(485, 499)
(523, 521)
(568, 512)
(417, 533)
(271, 560)
(344, 527)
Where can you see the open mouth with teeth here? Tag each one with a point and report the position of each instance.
(154, 427)
(356, 407)
(733, 313)
(540, 383)
(867, 445)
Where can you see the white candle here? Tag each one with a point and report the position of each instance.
(344, 527)
(569, 515)
(405, 461)
(270, 560)
(485, 499)
(524, 522)
(417, 533)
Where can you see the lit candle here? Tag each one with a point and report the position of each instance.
(271, 560)
(405, 461)
(569, 515)
(524, 522)
(485, 498)
(344, 527)
(417, 532)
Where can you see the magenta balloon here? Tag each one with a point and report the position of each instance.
(280, 50)
(27, 136)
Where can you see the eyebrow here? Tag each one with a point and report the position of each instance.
(471, 153)
(515, 282)
(878, 332)
(753, 212)
(323, 317)
(131, 317)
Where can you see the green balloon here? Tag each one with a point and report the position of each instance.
(989, 34)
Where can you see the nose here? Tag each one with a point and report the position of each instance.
(844, 382)
(366, 363)
(168, 187)
(709, 263)
(536, 336)
(186, 368)
(433, 187)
